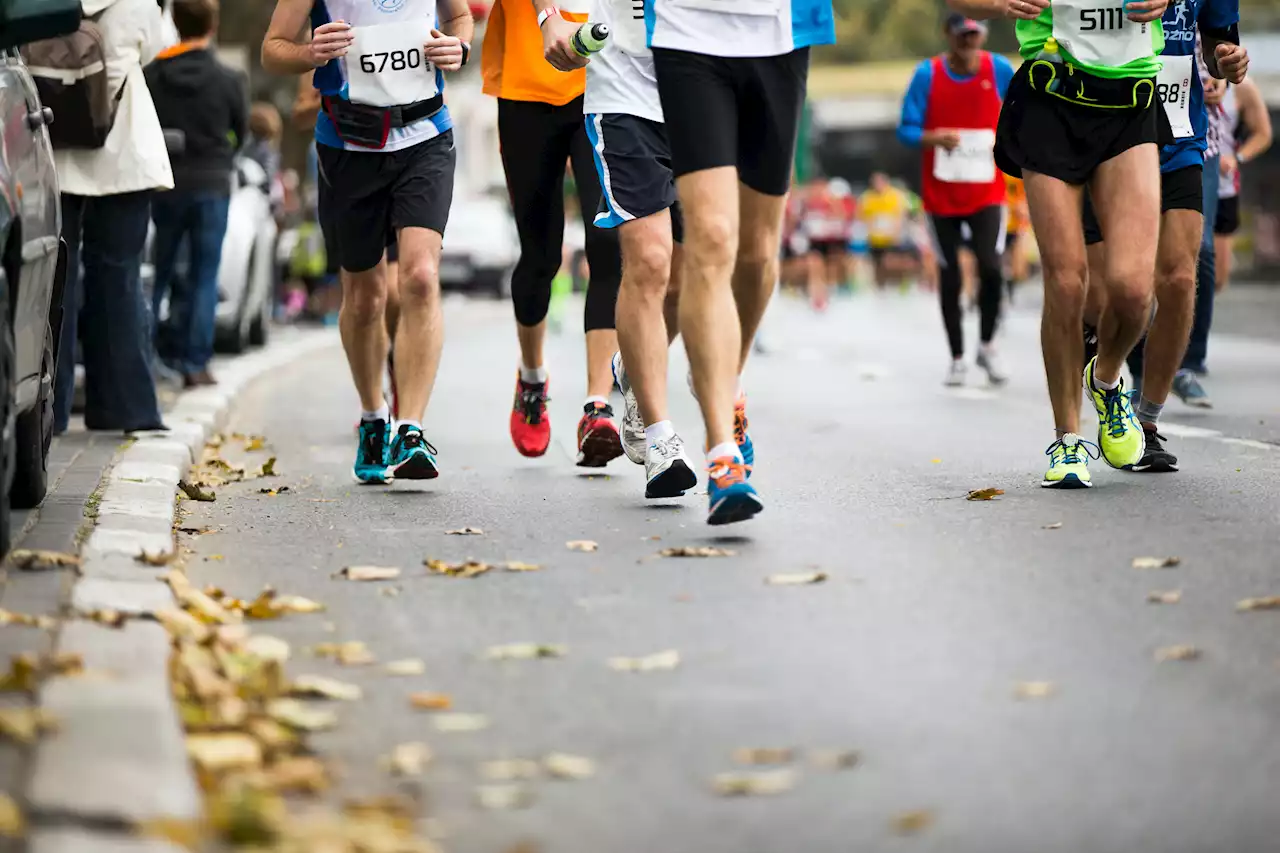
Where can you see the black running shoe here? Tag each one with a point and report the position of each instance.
(1156, 460)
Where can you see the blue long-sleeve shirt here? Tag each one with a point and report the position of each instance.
(916, 103)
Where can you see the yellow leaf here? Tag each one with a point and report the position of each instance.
(913, 822)
(29, 560)
(1034, 689)
(301, 715)
(12, 824)
(297, 604)
(408, 759)
(984, 494)
(659, 661)
(796, 579)
(1173, 596)
(524, 651)
(431, 701)
(1177, 653)
(409, 666)
(107, 618)
(299, 774)
(766, 783)
(465, 531)
(23, 675)
(264, 646)
(763, 755)
(704, 551)
(319, 687)
(218, 753)
(465, 569)
(460, 723)
(254, 443)
(351, 653)
(503, 797)
(1156, 562)
(584, 545)
(835, 759)
(1271, 602)
(368, 573)
(8, 617)
(517, 566)
(247, 817)
(24, 725)
(195, 493)
(268, 468)
(180, 623)
(561, 765)
(159, 559)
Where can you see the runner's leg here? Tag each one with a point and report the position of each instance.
(420, 337)
(988, 229)
(1206, 285)
(755, 271)
(947, 230)
(1175, 289)
(643, 335)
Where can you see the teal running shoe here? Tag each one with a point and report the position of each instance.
(412, 456)
(374, 441)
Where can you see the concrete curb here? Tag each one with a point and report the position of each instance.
(118, 757)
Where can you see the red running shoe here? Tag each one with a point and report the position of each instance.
(599, 442)
(530, 428)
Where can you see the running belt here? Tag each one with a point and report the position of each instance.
(1085, 90)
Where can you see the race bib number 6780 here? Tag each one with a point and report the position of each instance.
(386, 65)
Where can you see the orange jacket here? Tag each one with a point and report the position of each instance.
(511, 56)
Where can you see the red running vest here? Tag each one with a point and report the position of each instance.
(972, 104)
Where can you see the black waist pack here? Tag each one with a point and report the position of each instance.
(369, 127)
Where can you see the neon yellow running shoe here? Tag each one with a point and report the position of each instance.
(1069, 463)
(1120, 434)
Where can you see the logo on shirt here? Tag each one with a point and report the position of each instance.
(389, 6)
(1180, 28)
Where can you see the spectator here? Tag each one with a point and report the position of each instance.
(205, 101)
(265, 130)
(106, 206)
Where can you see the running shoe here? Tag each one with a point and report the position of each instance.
(1189, 390)
(374, 442)
(955, 374)
(598, 439)
(1119, 433)
(740, 423)
(1156, 459)
(412, 456)
(634, 443)
(1069, 463)
(667, 469)
(732, 497)
(530, 427)
(990, 361)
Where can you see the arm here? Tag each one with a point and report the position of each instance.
(1004, 74)
(306, 105)
(915, 104)
(283, 51)
(236, 90)
(1254, 116)
(1024, 10)
(556, 35)
(456, 26)
(1219, 25)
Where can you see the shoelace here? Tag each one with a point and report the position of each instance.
(1071, 452)
(374, 439)
(740, 424)
(728, 472)
(1117, 417)
(1154, 437)
(667, 447)
(530, 402)
(598, 411)
(416, 439)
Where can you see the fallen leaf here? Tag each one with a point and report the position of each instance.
(465, 569)
(1057, 525)
(267, 647)
(368, 573)
(24, 725)
(271, 493)
(268, 468)
(517, 566)
(217, 558)
(1034, 689)
(12, 824)
(218, 753)
(911, 823)
(1156, 562)
(584, 545)
(465, 531)
(247, 817)
(158, 559)
(195, 493)
(350, 653)
(659, 661)
(762, 784)
(1177, 653)
(107, 618)
(524, 651)
(1173, 596)
(1271, 602)
(408, 666)
(984, 494)
(180, 623)
(796, 579)
(254, 443)
(298, 774)
(704, 551)
(509, 769)
(561, 765)
(835, 759)
(756, 755)
(458, 723)
(407, 759)
(319, 687)
(431, 701)
(301, 715)
(30, 560)
(8, 617)
(297, 604)
(23, 675)
(264, 607)
(503, 797)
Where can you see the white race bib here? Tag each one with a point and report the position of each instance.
(386, 66)
(1174, 86)
(628, 25)
(971, 162)
(1096, 32)
(766, 8)
(884, 225)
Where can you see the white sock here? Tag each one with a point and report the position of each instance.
(533, 375)
(988, 348)
(720, 451)
(381, 414)
(415, 424)
(1104, 386)
(591, 401)
(659, 431)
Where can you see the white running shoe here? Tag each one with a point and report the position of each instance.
(667, 468)
(955, 374)
(633, 440)
(990, 361)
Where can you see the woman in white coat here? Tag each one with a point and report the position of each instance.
(106, 209)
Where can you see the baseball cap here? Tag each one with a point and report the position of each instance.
(958, 24)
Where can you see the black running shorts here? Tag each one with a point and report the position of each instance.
(633, 160)
(1052, 135)
(1182, 189)
(734, 111)
(366, 197)
(1228, 220)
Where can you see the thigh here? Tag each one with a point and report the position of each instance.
(534, 154)
(946, 232)
(422, 190)
(1126, 196)
(1055, 205)
(356, 203)
(115, 229)
(987, 228)
(700, 105)
(770, 103)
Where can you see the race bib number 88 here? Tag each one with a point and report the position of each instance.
(1174, 88)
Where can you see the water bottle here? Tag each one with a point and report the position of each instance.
(590, 38)
(1050, 53)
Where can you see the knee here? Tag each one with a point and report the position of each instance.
(420, 282)
(712, 239)
(1065, 284)
(647, 268)
(364, 297)
(1129, 295)
(1175, 282)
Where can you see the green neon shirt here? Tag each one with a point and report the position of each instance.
(1032, 36)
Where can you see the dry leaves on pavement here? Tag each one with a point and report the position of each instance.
(368, 573)
(561, 765)
(1271, 602)
(195, 492)
(24, 725)
(1156, 562)
(657, 662)
(913, 822)
(350, 653)
(517, 566)
(407, 759)
(319, 687)
(697, 551)
(223, 751)
(835, 759)
(1057, 525)
(524, 651)
(796, 579)
(1177, 653)
(1172, 596)
(758, 755)
(584, 545)
(984, 494)
(453, 723)
(12, 823)
(303, 716)
(27, 620)
(406, 667)
(1034, 689)
(35, 560)
(465, 531)
(431, 701)
(158, 559)
(297, 604)
(26, 670)
(466, 569)
(267, 647)
(762, 784)
(503, 797)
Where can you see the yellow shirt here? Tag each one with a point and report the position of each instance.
(885, 214)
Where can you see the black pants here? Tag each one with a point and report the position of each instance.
(987, 227)
(537, 140)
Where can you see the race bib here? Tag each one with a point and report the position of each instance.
(884, 225)
(386, 66)
(1096, 32)
(1174, 86)
(971, 162)
(628, 25)
(766, 8)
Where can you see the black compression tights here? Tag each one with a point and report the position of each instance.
(987, 227)
(537, 140)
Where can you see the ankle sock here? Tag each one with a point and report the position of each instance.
(1149, 412)
(720, 451)
(533, 375)
(1105, 386)
(596, 399)
(382, 414)
(659, 431)
(414, 424)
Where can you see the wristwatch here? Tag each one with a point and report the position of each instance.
(546, 13)
(466, 52)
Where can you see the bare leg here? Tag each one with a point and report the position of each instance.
(601, 345)
(393, 300)
(755, 274)
(1224, 244)
(642, 299)
(421, 334)
(364, 335)
(531, 340)
(1175, 289)
(1095, 302)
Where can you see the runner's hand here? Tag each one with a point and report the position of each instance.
(1214, 89)
(1227, 165)
(329, 41)
(1233, 62)
(556, 47)
(948, 139)
(1025, 10)
(444, 52)
(1143, 11)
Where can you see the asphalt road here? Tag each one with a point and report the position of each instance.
(935, 611)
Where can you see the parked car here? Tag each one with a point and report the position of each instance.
(247, 276)
(32, 259)
(481, 245)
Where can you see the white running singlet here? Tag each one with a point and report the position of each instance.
(1229, 185)
(620, 78)
(730, 28)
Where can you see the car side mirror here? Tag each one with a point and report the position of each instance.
(26, 21)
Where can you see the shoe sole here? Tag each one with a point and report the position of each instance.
(416, 467)
(365, 481)
(599, 448)
(1156, 466)
(1071, 481)
(672, 483)
(735, 508)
